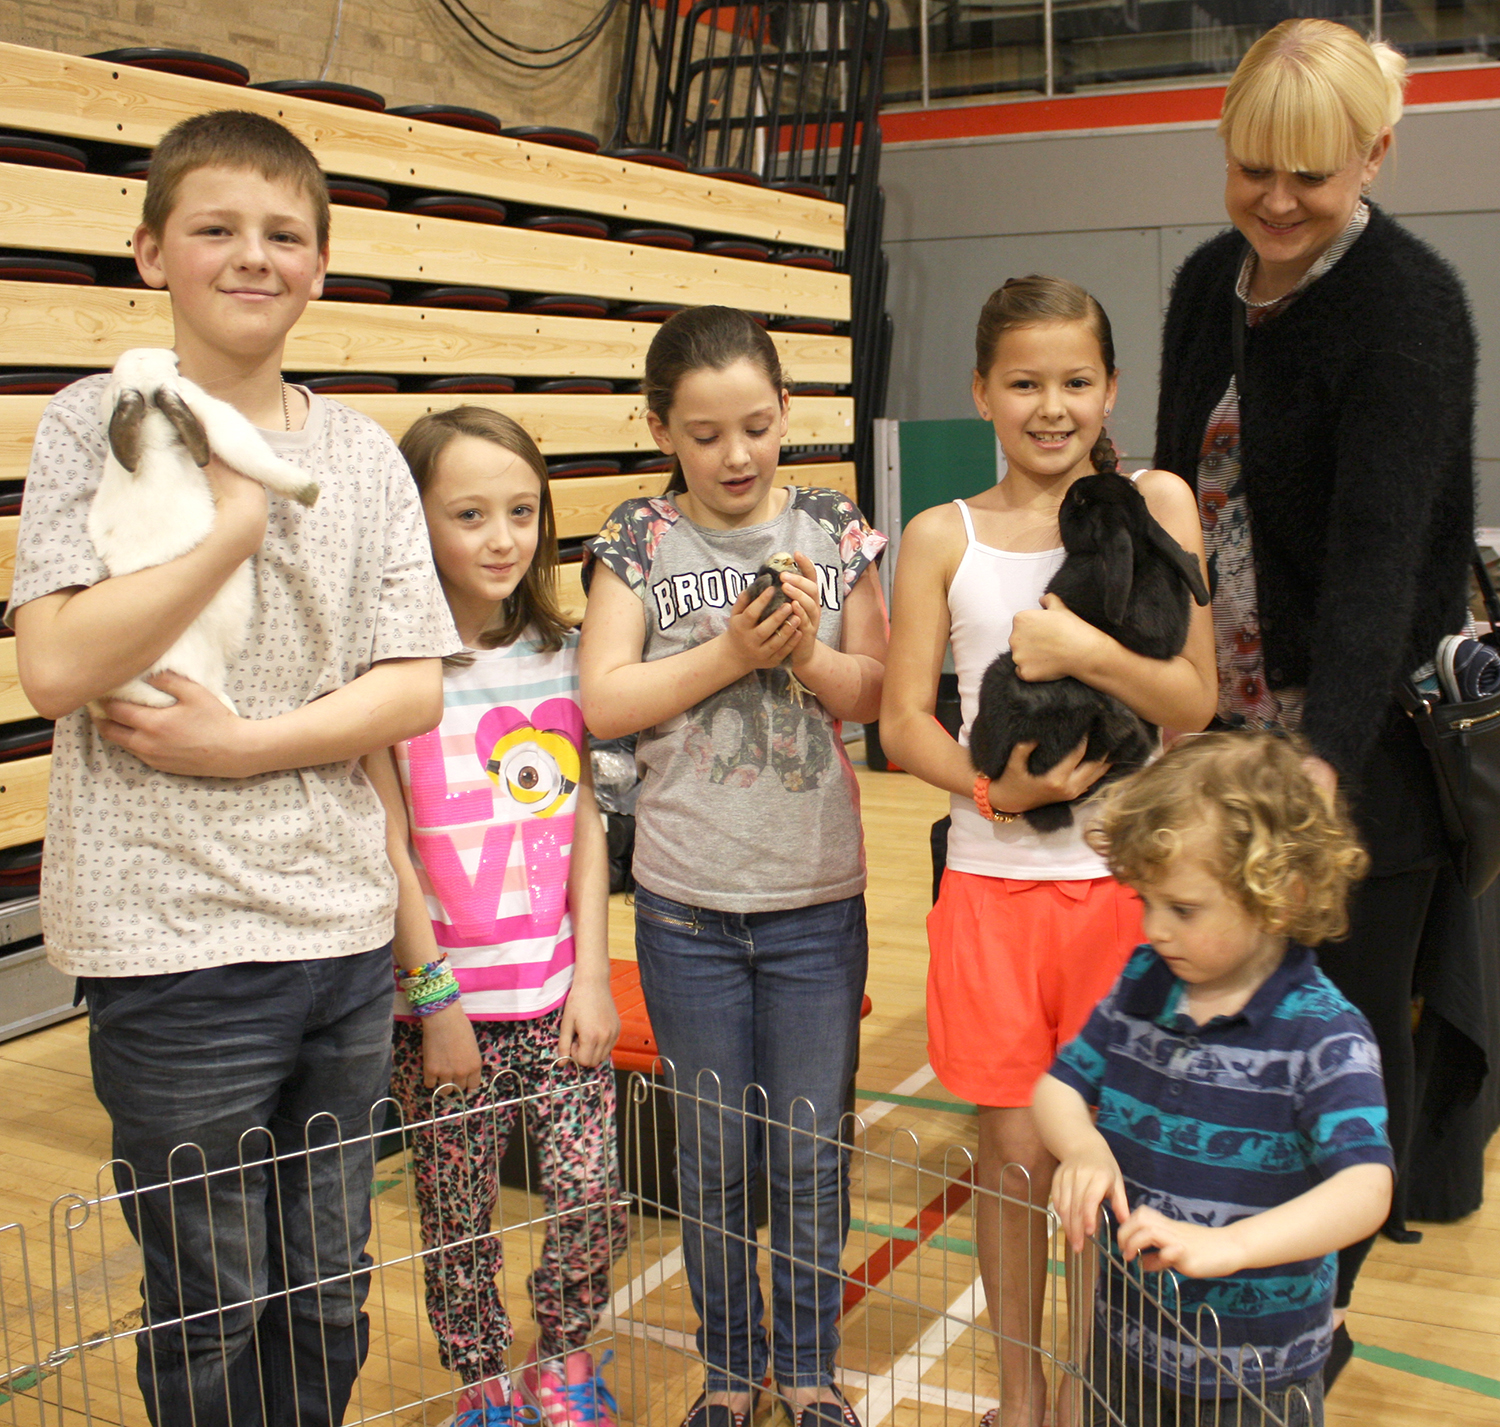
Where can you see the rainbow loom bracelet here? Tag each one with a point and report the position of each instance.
(431, 988)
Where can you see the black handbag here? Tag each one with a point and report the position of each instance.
(1463, 742)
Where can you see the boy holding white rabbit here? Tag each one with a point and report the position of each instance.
(219, 883)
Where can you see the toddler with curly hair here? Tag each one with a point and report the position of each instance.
(1224, 1103)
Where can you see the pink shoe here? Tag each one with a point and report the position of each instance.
(489, 1404)
(574, 1397)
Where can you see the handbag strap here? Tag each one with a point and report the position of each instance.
(1486, 589)
(1238, 320)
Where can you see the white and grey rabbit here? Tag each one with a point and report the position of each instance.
(155, 503)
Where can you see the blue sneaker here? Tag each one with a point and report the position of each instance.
(1467, 669)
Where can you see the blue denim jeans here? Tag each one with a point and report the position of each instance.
(254, 1274)
(768, 1000)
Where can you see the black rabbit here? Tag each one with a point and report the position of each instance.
(1126, 575)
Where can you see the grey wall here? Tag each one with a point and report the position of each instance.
(1117, 212)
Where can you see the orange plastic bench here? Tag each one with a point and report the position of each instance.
(636, 1048)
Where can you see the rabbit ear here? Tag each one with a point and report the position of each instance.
(1118, 552)
(1186, 565)
(125, 428)
(189, 428)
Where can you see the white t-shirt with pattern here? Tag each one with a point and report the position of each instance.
(148, 872)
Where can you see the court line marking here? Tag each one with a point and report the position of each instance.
(924, 1224)
(650, 1278)
(886, 1100)
(961, 1316)
(1425, 1367)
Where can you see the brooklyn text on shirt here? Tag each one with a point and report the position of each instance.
(678, 595)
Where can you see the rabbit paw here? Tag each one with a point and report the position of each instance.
(138, 691)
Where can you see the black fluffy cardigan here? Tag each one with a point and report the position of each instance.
(1356, 447)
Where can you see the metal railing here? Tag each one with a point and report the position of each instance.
(953, 49)
(917, 1341)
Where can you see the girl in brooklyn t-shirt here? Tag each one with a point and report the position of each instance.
(749, 865)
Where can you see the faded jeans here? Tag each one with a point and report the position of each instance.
(767, 999)
(254, 1274)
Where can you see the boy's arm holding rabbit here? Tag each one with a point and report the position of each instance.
(75, 644)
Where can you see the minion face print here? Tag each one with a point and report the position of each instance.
(536, 762)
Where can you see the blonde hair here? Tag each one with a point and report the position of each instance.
(1273, 840)
(1310, 96)
(533, 603)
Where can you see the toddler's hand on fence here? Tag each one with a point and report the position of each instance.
(802, 590)
(765, 644)
(590, 1024)
(1081, 1183)
(1192, 1250)
(450, 1054)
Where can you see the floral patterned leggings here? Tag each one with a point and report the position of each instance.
(570, 1115)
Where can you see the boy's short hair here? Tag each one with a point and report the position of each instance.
(1270, 835)
(232, 138)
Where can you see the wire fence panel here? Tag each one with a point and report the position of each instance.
(879, 1265)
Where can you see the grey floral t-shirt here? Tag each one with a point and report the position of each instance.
(747, 801)
(147, 872)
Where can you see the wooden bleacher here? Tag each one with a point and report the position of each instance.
(93, 216)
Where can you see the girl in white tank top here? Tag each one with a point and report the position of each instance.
(987, 590)
(1029, 930)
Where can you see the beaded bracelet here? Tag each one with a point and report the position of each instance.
(430, 988)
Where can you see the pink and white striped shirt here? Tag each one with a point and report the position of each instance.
(491, 795)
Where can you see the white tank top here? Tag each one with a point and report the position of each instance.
(988, 588)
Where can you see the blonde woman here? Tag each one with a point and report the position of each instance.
(1334, 480)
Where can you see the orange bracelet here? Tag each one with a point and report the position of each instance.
(982, 802)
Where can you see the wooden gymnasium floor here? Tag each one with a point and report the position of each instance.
(1427, 1317)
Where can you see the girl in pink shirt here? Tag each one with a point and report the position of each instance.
(503, 972)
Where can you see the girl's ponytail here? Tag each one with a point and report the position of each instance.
(1103, 455)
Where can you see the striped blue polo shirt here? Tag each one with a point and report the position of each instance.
(1211, 1124)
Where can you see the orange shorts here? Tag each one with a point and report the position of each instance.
(1016, 968)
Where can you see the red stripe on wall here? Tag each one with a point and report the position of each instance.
(1155, 106)
(725, 18)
